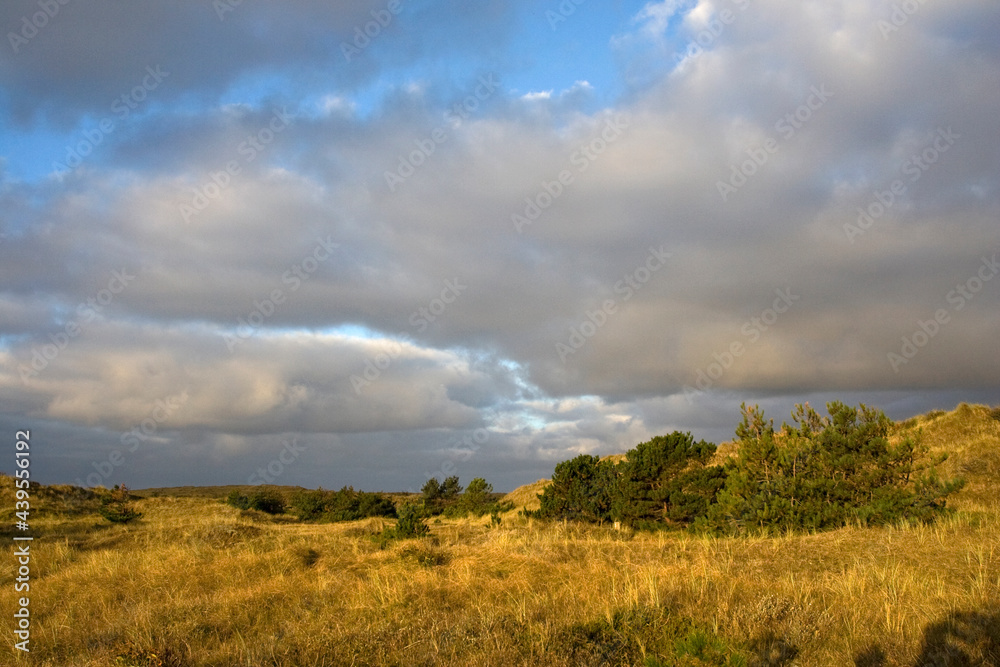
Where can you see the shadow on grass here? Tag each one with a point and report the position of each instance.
(769, 650)
(961, 639)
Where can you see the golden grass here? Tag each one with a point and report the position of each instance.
(217, 587)
(527, 496)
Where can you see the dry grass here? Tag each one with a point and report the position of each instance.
(199, 582)
(527, 496)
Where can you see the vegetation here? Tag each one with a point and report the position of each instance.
(116, 505)
(344, 505)
(824, 473)
(263, 500)
(582, 489)
(197, 582)
(447, 498)
(436, 496)
(410, 524)
(667, 481)
(828, 472)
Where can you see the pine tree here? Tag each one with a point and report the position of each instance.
(666, 480)
(826, 472)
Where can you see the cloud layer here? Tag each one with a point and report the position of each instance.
(385, 257)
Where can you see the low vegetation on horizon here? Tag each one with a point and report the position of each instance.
(840, 540)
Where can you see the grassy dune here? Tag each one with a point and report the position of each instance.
(196, 582)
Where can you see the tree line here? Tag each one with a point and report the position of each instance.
(819, 473)
(320, 505)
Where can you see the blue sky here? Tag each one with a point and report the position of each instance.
(623, 235)
(545, 51)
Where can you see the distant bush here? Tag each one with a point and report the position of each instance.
(495, 518)
(116, 506)
(447, 498)
(264, 500)
(344, 505)
(270, 502)
(238, 500)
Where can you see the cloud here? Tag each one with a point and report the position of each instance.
(653, 238)
(84, 58)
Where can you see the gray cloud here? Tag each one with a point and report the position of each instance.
(311, 217)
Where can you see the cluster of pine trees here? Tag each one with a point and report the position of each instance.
(449, 499)
(820, 473)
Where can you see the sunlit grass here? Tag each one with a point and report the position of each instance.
(203, 582)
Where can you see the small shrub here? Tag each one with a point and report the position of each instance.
(136, 656)
(666, 481)
(436, 497)
(477, 498)
(425, 556)
(704, 648)
(115, 506)
(995, 413)
(238, 500)
(271, 502)
(410, 524)
(650, 636)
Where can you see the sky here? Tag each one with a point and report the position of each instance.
(366, 243)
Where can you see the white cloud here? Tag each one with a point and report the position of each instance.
(539, 95)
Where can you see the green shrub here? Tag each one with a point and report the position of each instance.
(409, 524)
(431, 491)
(116, 506)
(823, 473)
(649, 636)
(238, 500)
(373, 504)
(271, 502)
(264, 500)
(344, 505)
